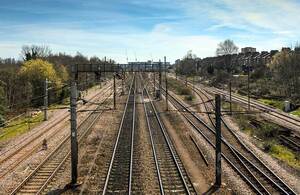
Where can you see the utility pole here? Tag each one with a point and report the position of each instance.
(218, 140)
(104, 74)
(166, 80)
(123, 78)
(74, 143)
(248, 69)
(46, 100)
(114, 91)
(154, 82)
(193, 84)
(230, 102)
(159, 80)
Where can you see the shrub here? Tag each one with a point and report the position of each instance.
(188, 98)
(184, 91)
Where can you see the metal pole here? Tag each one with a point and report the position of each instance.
(159, 87)
(46, 100)
(248, 87)
(104, 74)
(230, 103)
(218, 140)
(193, 84)
(166, 80)
(74, 143)
(123, 83)
(114, 91)
(154, 82)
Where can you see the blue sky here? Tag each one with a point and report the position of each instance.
(146, 29)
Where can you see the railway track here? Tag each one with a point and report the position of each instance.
(41, 176)
(287, 118)
(271, 111)
(27, 146)
(248, 166)
(293, 142)
(171, 174)
(290, 141)
(28, 139)
(119, 176)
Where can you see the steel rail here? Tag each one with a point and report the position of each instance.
(168, 141)
(282, 186)
(288, 118)
(54, 123)
(132, 139)
(152, 143)
(203, 123)
(117, 141)
(17, 161)
(56, 151)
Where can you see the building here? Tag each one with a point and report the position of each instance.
(248, 50)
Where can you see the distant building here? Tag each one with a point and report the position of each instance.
(286, 49)
(248, 50)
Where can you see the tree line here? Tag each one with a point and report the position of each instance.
(22, 82)
(274, 75)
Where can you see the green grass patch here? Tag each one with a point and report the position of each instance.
(180, 89)
(275, 103)
(285, 154)
(20, 126)
(296, 112)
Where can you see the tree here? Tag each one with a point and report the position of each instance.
(36, 72)
(188, 65)
(285, 69)
(2, 106)
(34, 52)
(227, 47)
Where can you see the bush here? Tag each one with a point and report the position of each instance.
(267, 131)
(184, 91)
(188, 98)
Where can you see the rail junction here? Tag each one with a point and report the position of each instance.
(122, 163)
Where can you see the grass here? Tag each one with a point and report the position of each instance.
(65, 102)
(275, 103)
(20, 126)
(296, 112)
(180, 89)
(267, 134)
(286, 155)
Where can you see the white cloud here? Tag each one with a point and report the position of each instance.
(158, 42)
(265, 24)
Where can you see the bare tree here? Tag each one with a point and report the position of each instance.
(226, 47)
(30, 52)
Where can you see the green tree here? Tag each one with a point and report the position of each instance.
(188, 65)
(2, 105)
(285, 67)
(36, 72)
